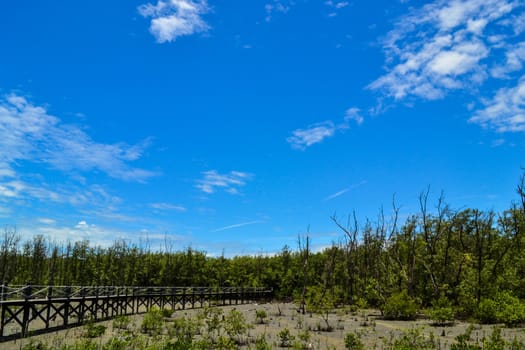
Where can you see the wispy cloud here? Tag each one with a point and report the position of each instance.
(505, 111)
(304, 138)
(237, 225)
(82, 230)
(335, 6)
(174, 18)
(30, 133)
(345, 190)
(444, 46)
(231, 182)
(277, 6)
(301, 139)
(167, 206)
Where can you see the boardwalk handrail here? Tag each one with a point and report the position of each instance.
(24, 292)
(41, 308)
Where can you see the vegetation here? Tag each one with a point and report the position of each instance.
(466, 263)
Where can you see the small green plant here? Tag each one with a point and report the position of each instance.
(93, 330)
(414, 339)
(152, 322)
(353, 342)
(400, 306)
(463, 341)
(167, 313)
(261, 343)
(235, 325)
(285, 338)
(442, 313)
(184, 330)
(116, 344)
(35, 345)
(260, 316)
(213, 316)
(224, 343)
(495, 342)
(121, 322)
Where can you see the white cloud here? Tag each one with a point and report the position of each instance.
(354, 114)
(167, 206)
(30, 133)
(505, 111)
(231, 182)
(444, 46)
(514, 58)
(304, 138)
(301, 139)
(336, 5)
(277, 6)
(98, 236)
(47, 221)
(174, 18)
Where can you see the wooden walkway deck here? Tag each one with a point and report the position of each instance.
(30, 309)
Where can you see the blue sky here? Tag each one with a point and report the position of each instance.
(233, 126)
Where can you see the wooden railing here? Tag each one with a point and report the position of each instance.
(35, 309)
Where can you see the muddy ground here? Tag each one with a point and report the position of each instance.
(374, 330)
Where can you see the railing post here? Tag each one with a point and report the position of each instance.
(27, 309)
(66, 305)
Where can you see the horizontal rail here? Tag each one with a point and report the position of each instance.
(28, 292)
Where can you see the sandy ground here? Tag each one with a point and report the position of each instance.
(367, 323)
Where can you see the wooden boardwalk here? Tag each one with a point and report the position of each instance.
(27, 310)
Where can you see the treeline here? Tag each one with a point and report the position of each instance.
(465, 256)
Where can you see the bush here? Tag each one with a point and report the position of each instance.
(121, 322)
(353, 342)
(286, 338)
(504, 308)
(235, 325)
(152, 322)
(35, 345)
(260, 315)
(400, 306)
(261, 343)
(94, 330)
(167, 313)
(414, 339)
(442, 313)
(463, 341)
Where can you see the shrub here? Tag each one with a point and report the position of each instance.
(400, 306)
(167, 312)
(261, 343)
(94, 330)
(260, 315)
(184, 330)
(504, 308)
(152, 322)
(116, 344)
(495, 342)
(353, 342)
(121, 322)
(35, 345)
(286, 338)
(442, 313)
(414, 339)
(462, 341)
(235, 325)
